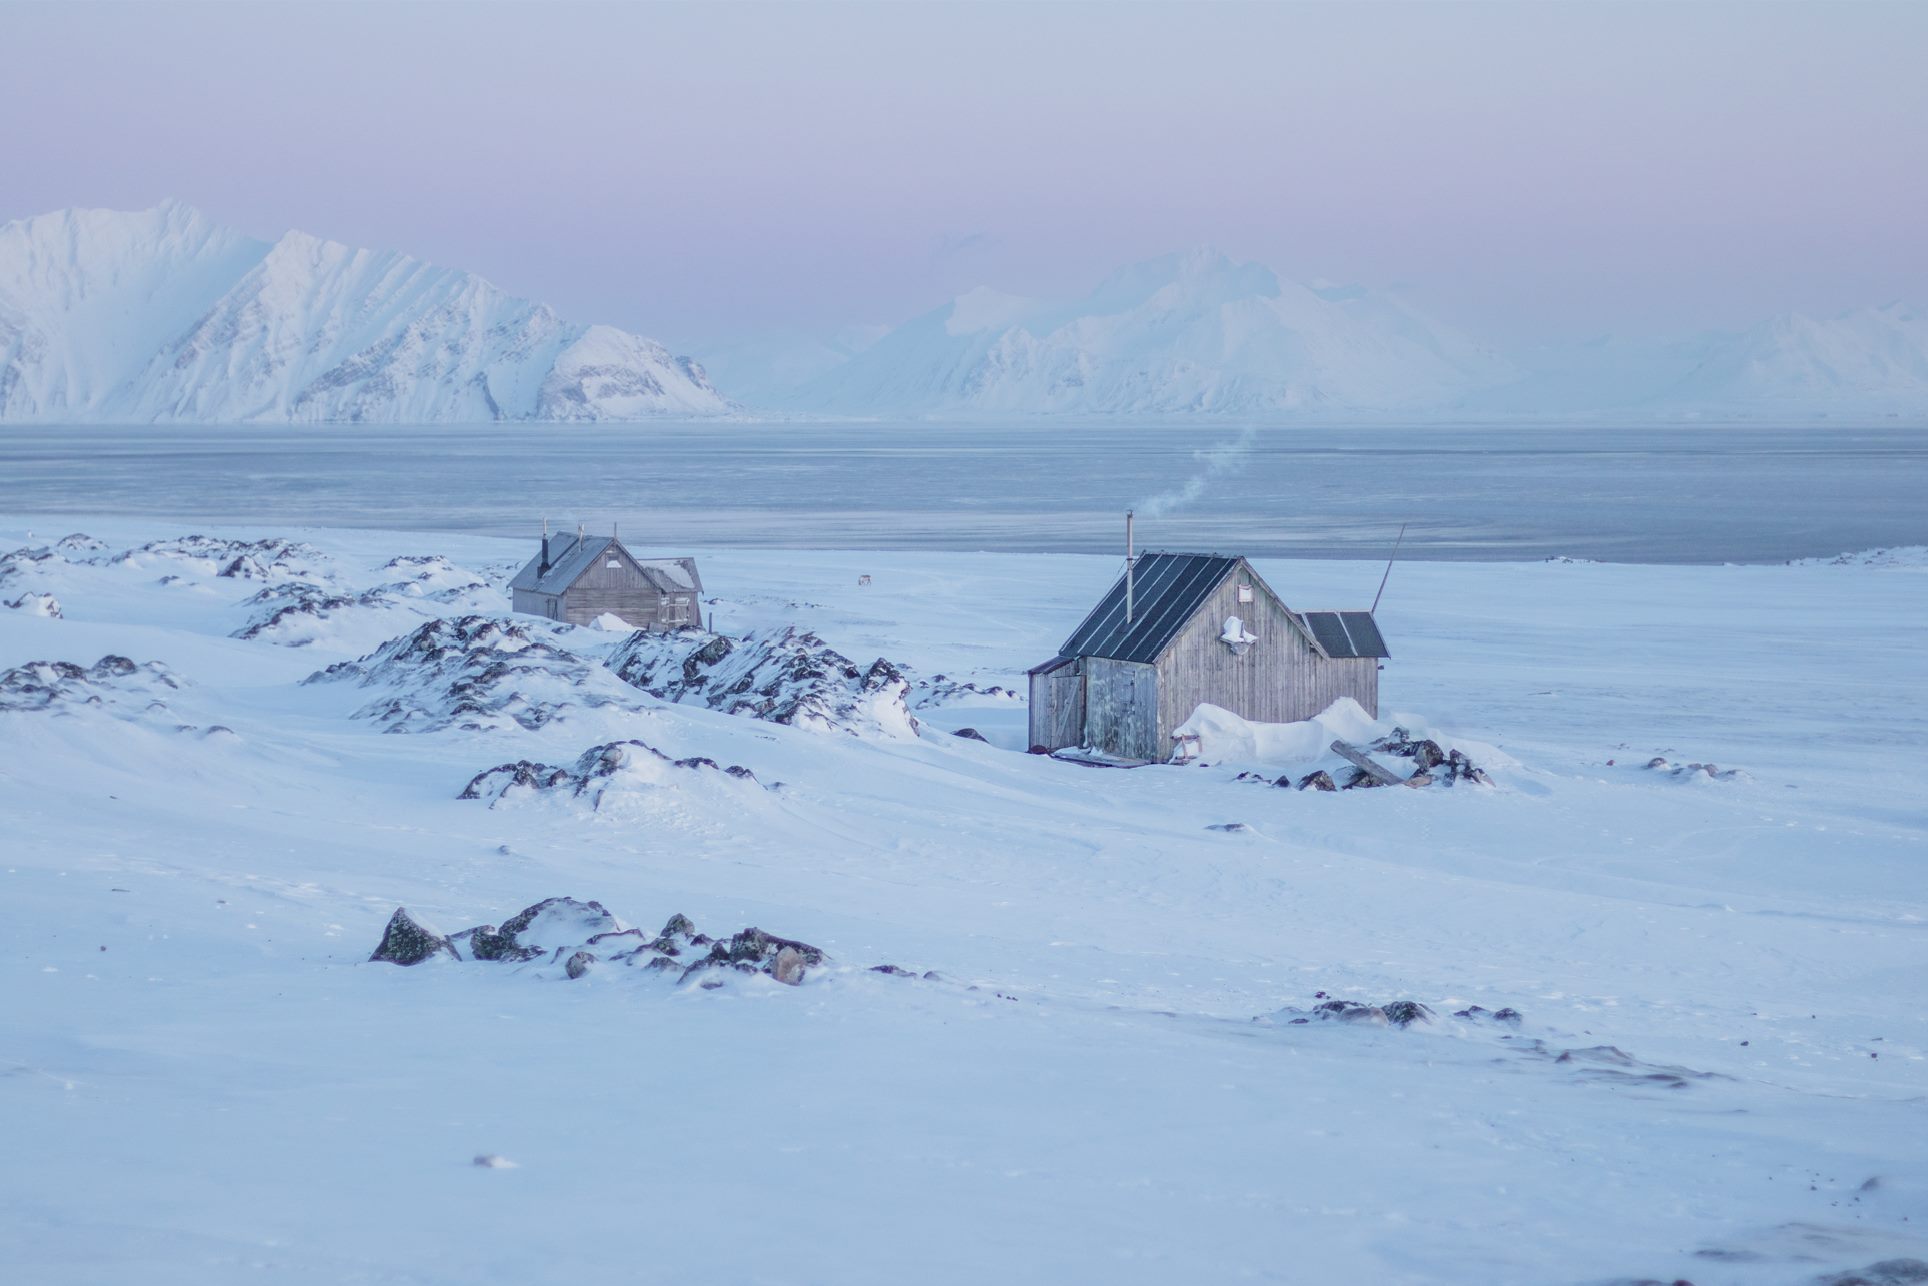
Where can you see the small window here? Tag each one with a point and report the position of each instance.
(614, 562)
(1244, 592)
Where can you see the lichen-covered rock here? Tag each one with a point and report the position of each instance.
(407, 941)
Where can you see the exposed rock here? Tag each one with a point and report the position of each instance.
(941, 689)
(970, 734)
(37, 605)
(1230, 828)
(788, 966)
(1477, 1013)
(406, 941)
(790, 676)
(1404, 1013)
(579, 964)
(1039, 750)
(475, 672)
(553, 924)
(112, 681)
(1320, 780)
(599, 769)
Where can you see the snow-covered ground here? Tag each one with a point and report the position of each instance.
(1094, 1071)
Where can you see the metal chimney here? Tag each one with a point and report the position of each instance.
(542, 568)
(1129, 578)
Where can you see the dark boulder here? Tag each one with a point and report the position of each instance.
(579, 964)
(970, 734)
(1320, 780)
(406, 941)
(1427, 754)
(1404, 1013)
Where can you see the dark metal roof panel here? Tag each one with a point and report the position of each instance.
(1166, 590)
(1346, 635)
(1366, 639)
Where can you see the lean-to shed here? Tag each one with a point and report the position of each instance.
(576, 579)
(1180, 630)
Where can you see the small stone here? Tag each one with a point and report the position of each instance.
(970, 734)
(579, 964)
(789, 967)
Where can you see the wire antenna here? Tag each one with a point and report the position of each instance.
(1389, 562)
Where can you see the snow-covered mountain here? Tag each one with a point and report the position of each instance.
(1868, 364)
(1184, 335)
(161, 315)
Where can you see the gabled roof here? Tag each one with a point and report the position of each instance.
(568, 559)
(1346, 635)
(1166, 590)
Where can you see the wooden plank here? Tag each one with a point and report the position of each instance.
(1357, 757)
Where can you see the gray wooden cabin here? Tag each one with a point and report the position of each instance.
(1123, 683)
(576, 579)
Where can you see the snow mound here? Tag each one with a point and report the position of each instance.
(61, 686)
(36, 605)
(265, 560)
(790, 676)
(1214, 735)
(600, 774)
(301, 613)
(473, 673)
(583, 937)
(611, 622)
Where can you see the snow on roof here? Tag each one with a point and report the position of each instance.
(569, 558)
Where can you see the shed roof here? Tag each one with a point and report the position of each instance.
(568, 559)
(1166, 590)
(1346, 635)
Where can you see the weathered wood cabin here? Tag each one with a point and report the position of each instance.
(1180, 630)
(578, 579)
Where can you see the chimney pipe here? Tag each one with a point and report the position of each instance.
(542, 568)
(1130, 606)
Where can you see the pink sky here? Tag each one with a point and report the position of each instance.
(693, 172)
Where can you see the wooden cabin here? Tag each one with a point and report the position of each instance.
(1181, 630)
(578, 579)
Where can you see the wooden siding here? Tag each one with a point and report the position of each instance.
(625, 591)
(1058, 707)
(1121, 709)
(1279, 679)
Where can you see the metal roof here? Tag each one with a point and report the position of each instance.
(1166, 590)
(569, 558)
(1346, 635)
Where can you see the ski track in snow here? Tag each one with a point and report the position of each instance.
(1721, 1073)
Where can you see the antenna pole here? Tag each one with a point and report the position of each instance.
(1388, 575)
(1129, 560)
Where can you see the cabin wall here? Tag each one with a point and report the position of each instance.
(1121, 709)
(536, 603)
(628, 593)
(1057, 710)
(1279, 679)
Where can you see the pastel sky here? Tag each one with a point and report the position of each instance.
(693, 172)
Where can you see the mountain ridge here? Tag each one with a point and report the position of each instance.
(161, 315)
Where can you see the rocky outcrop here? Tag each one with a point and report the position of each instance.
(788, 676)
(612, 766)
(474, 672)
(112, 681)
(407, 941)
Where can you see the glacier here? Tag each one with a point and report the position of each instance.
(160, 315)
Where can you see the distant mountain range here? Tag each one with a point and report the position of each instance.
(161, 315)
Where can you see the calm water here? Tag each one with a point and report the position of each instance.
(1627, 495)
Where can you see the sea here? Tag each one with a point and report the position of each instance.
(1640, 495)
